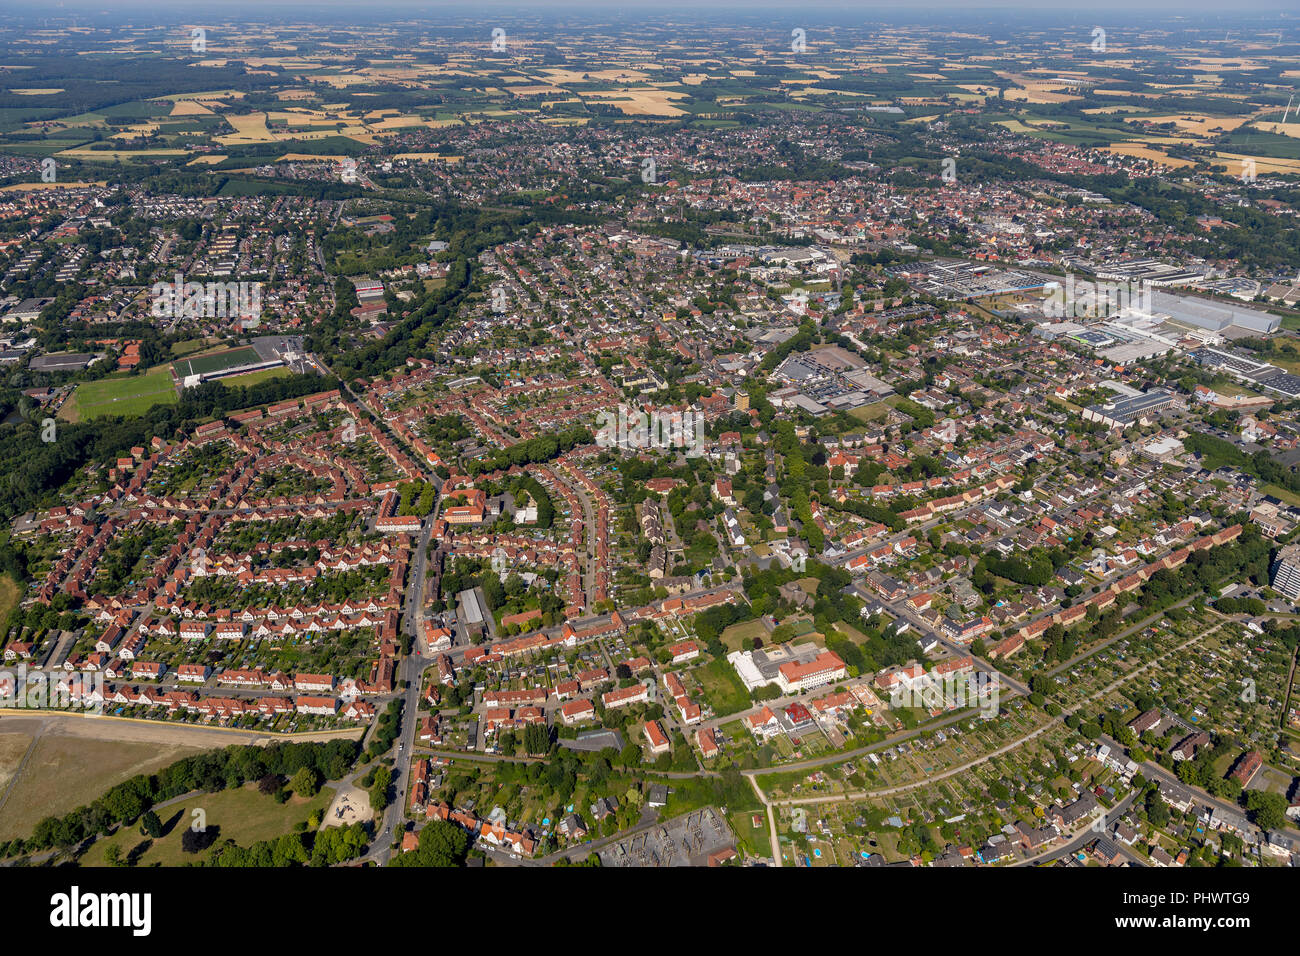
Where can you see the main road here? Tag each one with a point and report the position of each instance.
(411, 672)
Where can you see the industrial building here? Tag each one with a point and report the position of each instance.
(1135, 410)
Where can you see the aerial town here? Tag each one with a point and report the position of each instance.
(636, 445)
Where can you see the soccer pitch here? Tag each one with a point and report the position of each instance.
(215, 362)
(122, 395)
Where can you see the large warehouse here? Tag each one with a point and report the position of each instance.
(1214, 316)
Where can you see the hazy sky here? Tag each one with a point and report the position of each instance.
(880, 9)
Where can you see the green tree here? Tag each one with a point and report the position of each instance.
(306, 782)
(151, 825)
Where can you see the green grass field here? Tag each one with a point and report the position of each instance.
(243, 815)
(722, 687)
(215, 361)
(739, 636)
(10, 595)
(121, 395)
(252, 378)
(188, 346)
(869, 413)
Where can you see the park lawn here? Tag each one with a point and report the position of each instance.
(722, 687)
(121, 395)
(740, 636)
(68, 772)
(243, 815)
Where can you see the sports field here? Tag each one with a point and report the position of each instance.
(120, 395)
(215, 361)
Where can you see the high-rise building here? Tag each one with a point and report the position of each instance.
(1286, 572)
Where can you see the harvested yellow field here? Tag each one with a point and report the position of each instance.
(22, 187)
(396, 122)
(429, 157)
(1140, 151)
(249, 128)
(48, 91)
(1031, 90)
(1263, 164)
(210, 160)
(206, 95)
(139, 129)
(640, 101)
(340, 81)
(609, 76)
(189, 108)
(1013, 125)
(1281, 129)
(1196, 123)
(302, 117)
(115, 154)
(309, 158)
(1038, 96)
